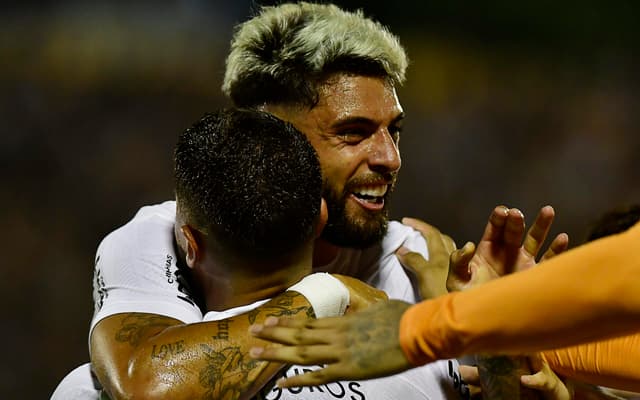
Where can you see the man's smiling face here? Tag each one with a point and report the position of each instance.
(355, 130)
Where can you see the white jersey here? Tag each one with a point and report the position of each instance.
(136, 271)
(439, 380)
(79, 384)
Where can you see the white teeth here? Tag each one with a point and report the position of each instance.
(372, 191)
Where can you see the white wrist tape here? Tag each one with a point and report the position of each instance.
(327, 295)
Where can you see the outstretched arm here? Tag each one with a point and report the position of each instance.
(572, 298)
(137, 355)
(339, 341)
(149, 356)
(352, 346)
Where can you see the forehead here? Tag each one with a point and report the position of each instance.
(348, 96)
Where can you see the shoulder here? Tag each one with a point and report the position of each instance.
(153, 222)
(142, 245)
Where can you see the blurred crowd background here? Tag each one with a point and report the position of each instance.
(518, 103)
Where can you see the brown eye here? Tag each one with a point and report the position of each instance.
(353, 136)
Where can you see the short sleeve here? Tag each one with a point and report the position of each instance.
(136, 270)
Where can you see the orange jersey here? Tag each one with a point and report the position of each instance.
(589, 293)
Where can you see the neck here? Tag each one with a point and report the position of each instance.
(227, 290)
(323, 253)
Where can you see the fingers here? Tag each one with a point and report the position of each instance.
(559, 245)
(514, 228)
(495, 225)
(420, 226)
(459, 260)
(301, 355)
(505, 225)
(290, 331)
(539, 231)
(437, 241)
(306, 345)
(538, 381)
(469, 374)
(411, 260)
(449, 243)
(459, 272)
(431, 275)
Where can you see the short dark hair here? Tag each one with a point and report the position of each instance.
(614, 221)
(251, 179)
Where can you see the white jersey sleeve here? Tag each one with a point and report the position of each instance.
(136, 269)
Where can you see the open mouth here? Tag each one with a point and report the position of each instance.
(370, 196)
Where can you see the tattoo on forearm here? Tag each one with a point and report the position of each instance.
(223, 330)
(500, 377)
(281, 306)
(135, 327)
(162, 351)
(227, 371)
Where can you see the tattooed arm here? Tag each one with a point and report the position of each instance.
(500, 377)
(138, 355)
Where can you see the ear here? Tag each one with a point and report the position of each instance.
(193, 250)
(322, 218)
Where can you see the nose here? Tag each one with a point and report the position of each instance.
(384, 154)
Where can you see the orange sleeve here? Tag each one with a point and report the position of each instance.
(614, 362)
(589, 293)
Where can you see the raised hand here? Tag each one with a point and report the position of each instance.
(431, 275)
(502, 250)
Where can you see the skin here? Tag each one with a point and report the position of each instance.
(138, 355)
(149, 356)
(431, 275)
(366, 335)
(354, 129)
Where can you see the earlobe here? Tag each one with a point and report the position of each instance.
(192, 251)
(322, 218)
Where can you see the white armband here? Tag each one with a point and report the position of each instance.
(327, 295)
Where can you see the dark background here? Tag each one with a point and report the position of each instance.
(522, 103)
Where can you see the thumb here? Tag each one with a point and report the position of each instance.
(411, 260)
(459, 260)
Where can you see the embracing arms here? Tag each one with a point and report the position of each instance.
(570, 299)
(138, 355)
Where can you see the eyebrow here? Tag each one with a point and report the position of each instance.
(363, 120)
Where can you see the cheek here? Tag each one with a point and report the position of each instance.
(338, 166)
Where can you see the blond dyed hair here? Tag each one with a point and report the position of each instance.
(281, 55)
